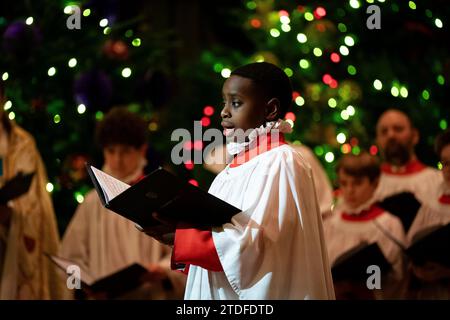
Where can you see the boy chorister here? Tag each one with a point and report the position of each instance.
(358, 218)
(274, 248)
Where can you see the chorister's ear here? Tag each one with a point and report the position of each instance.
(272, 109)
(415, 136)
(143, 149)
(376, 182)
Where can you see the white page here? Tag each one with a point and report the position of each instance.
(111, 186)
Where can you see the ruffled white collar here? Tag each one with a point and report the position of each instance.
(234, 148)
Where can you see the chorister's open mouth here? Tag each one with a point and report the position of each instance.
(228, 128)
(227, 125)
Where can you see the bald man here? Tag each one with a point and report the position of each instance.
(405, 181)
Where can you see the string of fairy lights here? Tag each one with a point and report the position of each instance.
(280, 23)
(72, 62)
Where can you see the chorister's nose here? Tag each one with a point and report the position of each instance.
(225, 112)
(390, 134)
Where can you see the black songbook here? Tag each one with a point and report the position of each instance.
(431, 244)
(114, 285)
(15, 187)
(352, 265)
(161, 192)
(404, 206)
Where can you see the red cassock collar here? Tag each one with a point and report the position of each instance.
(263, 143)
(445, 199)
(365, 215)
(411, 167)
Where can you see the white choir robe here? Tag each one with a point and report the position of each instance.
(343, 234)
(415, 178)
(435, 212)
(103, 242)
(274, 248)
(216, 162)
(323, 186)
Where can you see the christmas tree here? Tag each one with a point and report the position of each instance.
(345, 73)
(61, 78)
(168, 61)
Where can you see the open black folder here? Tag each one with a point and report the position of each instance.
(113, 285)
(352, 265)
(402, 205)
(15, 187)
(431, 244)
(161, 192)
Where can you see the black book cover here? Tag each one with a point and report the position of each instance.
(114, 285)
(121, 281)
(165, 193)
(352, 265)
(431, 244)
(15, 187)
(404, 206)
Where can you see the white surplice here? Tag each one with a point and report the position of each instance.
(274, 248)
(432, 213)
(216, 162)
(323, 186)
(343, 235)
(418, 183)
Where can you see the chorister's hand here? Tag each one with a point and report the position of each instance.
(164, 232)
(155, 273)
(172, 223)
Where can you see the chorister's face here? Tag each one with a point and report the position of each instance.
(445, 160)
(396, 137)
(355, 190)
(244, 104)
(123, 160)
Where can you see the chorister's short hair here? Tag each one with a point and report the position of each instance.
(120, 126)
(271, 80)
(360, 166)
(442, 140)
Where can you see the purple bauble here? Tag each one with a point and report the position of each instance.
(93, 89)
(20, 39)
(156, 87)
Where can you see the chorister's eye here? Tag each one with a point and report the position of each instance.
(236, 103)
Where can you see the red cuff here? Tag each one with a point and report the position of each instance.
(196, 247)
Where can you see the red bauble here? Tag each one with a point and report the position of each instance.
(116, 49)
